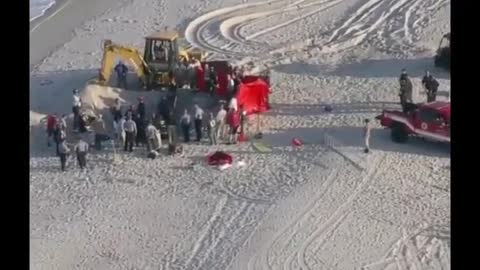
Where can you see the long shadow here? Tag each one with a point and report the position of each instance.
(383, 68)
(337, 108)
(353, 137)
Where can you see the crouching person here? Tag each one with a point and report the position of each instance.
(153, 136)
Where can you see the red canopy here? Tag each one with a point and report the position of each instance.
(253, 96)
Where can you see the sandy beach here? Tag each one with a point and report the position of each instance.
(325, 205)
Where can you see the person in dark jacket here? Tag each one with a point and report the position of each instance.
(141, 111)
(140, 139)
(59, 136)
(171, 127)
(406, 89)
(212, 81)
(121, 69)
(63, 151)
(431, 86)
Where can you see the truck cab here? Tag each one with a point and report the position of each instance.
(428, 120)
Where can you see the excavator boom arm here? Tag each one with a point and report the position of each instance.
(111, 51)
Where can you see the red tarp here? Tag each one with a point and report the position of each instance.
(219, 158)
(222, 69)
(253, 96)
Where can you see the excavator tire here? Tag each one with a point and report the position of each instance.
(398, 133)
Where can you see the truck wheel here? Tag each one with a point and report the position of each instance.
(399, 135)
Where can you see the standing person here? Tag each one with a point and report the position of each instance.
(51, 123)
(406, 89)
(221, 120)
(59, 135)
(100, 131)
(233, 104)
(130, 133)
(77, 104)
(140, 139)
(233, 120)
(121, 131)
(81, 149)
(212, 82)
(230, 87)
(151, 134)
(431, 86)
(63, 122)
(121, 70)
(171, 127)
(366, 135)
(186, 122)
(117, 110)
(236, 82)
(63, 151)
(141, 111)
(211, 128)
(243, 119)
(198, 121)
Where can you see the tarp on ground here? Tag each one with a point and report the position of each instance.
(253, 96)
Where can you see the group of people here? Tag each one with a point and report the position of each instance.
(429, 83)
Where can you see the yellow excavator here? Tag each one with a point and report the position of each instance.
(161, 57)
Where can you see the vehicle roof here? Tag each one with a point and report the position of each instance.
(441, 106)
(167, 34)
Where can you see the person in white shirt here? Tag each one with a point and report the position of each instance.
(151, 134)
(211, 127)
(81, 149)
(198, 121)
(233, 104)
(121, 130)
(221, 120)
(366, 135)
(185, 123)
(77, 104)
(130, 133)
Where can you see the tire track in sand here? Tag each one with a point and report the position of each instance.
(342, 211)
(295, 222)
(301, 222)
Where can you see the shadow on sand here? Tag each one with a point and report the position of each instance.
(385, 68)
(337, 108)
(353, 137)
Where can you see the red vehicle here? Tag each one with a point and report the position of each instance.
(427, 120)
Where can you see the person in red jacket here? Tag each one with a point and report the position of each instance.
(233, 120)
(51, 123)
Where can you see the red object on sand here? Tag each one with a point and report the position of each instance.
(297, 142)
(253, 95)
(219, 158)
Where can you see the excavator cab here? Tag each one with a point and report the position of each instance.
(161, 55)
(442, 58)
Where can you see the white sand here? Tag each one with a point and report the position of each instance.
(323, 206)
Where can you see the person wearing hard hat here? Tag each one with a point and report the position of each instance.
(121, 70)
(198, 121)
